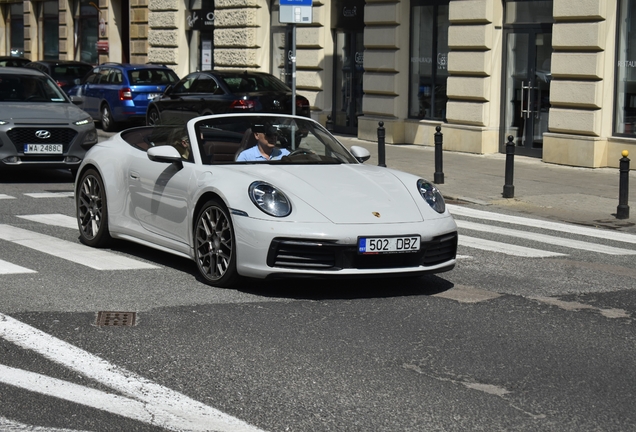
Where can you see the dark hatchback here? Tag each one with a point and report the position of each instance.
(66, 73)
(215, 92)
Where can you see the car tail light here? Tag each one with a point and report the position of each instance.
(125, 94)
(60, 83)
(302, 104)
(243, 105)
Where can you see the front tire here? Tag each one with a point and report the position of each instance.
(92, 211)
(108, 122)
(153, 117)
(214, 245)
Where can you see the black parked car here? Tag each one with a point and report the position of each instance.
(214, 92)
(10, 61)
(66, 73)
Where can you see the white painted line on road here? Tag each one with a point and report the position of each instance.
(3, 196)
(505, 248)
(184, 413)
(54, 219)
(9, 268)
(7, 425)
(74, 252)
(537, 223)
(50, 194)
(543, 238)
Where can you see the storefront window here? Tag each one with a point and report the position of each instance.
(51, 30)
(86, 28)
(16, 31)
(200, 25)
(625, 114)
(429, 52)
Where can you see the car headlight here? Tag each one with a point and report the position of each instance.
(431, 195)
(84, 122)
(2, 122)
(269, 199)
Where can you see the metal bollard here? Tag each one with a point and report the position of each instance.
(381, 150)
(509, 189)
(622, 211)
(439, 171)
(329, 124)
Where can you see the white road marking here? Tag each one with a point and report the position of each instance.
(543, 238)
(3, 196)
(146, 401)
(9, 268)
(536, 223)
(77, 253)
(505, 248)
(7, 425)
(50, 194)
(54, 219)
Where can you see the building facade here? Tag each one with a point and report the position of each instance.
(559, 76)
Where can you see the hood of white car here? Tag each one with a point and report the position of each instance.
(41, 113)
(344, 193)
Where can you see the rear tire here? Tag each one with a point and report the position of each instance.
(214, 245)
(108, 122)
(92, 210)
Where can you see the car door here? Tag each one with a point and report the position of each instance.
(158, 190)
(173, 103)
(206, 97)
(92, 91)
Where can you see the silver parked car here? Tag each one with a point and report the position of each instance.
(40, 126)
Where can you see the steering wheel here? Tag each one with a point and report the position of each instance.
(301, 151)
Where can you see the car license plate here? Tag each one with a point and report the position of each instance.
(378, 245)
(153, 95)
(44, 148)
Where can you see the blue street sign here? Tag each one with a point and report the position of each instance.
(296, 2)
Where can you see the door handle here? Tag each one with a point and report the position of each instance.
(134, 175)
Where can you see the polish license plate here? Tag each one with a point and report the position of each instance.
(153, 95)
(379, 245)
(44, 148)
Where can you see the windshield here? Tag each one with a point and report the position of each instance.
(152, 77)
(249, 139)
(30, 88)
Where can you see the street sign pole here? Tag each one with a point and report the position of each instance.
(294, 12)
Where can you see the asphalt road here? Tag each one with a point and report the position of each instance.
(533, 330)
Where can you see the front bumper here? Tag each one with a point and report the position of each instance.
(279, 249)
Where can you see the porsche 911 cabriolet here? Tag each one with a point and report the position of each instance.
(305, 207)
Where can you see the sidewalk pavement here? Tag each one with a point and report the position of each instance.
(583, 196)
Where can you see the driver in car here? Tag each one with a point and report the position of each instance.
(265, 148)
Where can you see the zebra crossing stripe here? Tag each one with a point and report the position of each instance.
(9, 268)
(4, 196)
(557, 241)
(74, 252)
(54, 219)
(536, 223)
(505, 248)
(50, 194)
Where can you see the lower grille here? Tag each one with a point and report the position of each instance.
(320, 255)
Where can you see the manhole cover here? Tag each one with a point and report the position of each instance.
(117, 319)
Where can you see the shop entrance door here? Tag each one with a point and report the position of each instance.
(527, 89)
(348, 73)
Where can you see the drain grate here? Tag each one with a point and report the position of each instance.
(116, 319)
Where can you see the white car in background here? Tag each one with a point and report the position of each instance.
(317, 212)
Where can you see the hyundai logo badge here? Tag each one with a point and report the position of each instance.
(43, 134)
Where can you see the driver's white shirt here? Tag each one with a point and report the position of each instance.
(253, 154)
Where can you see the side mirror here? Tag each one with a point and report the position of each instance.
(77, 100)
(360, 153)
(165, 154)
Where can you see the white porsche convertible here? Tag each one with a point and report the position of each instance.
(312, 209)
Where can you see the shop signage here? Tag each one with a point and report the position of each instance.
(200, 19)
(348, 14)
